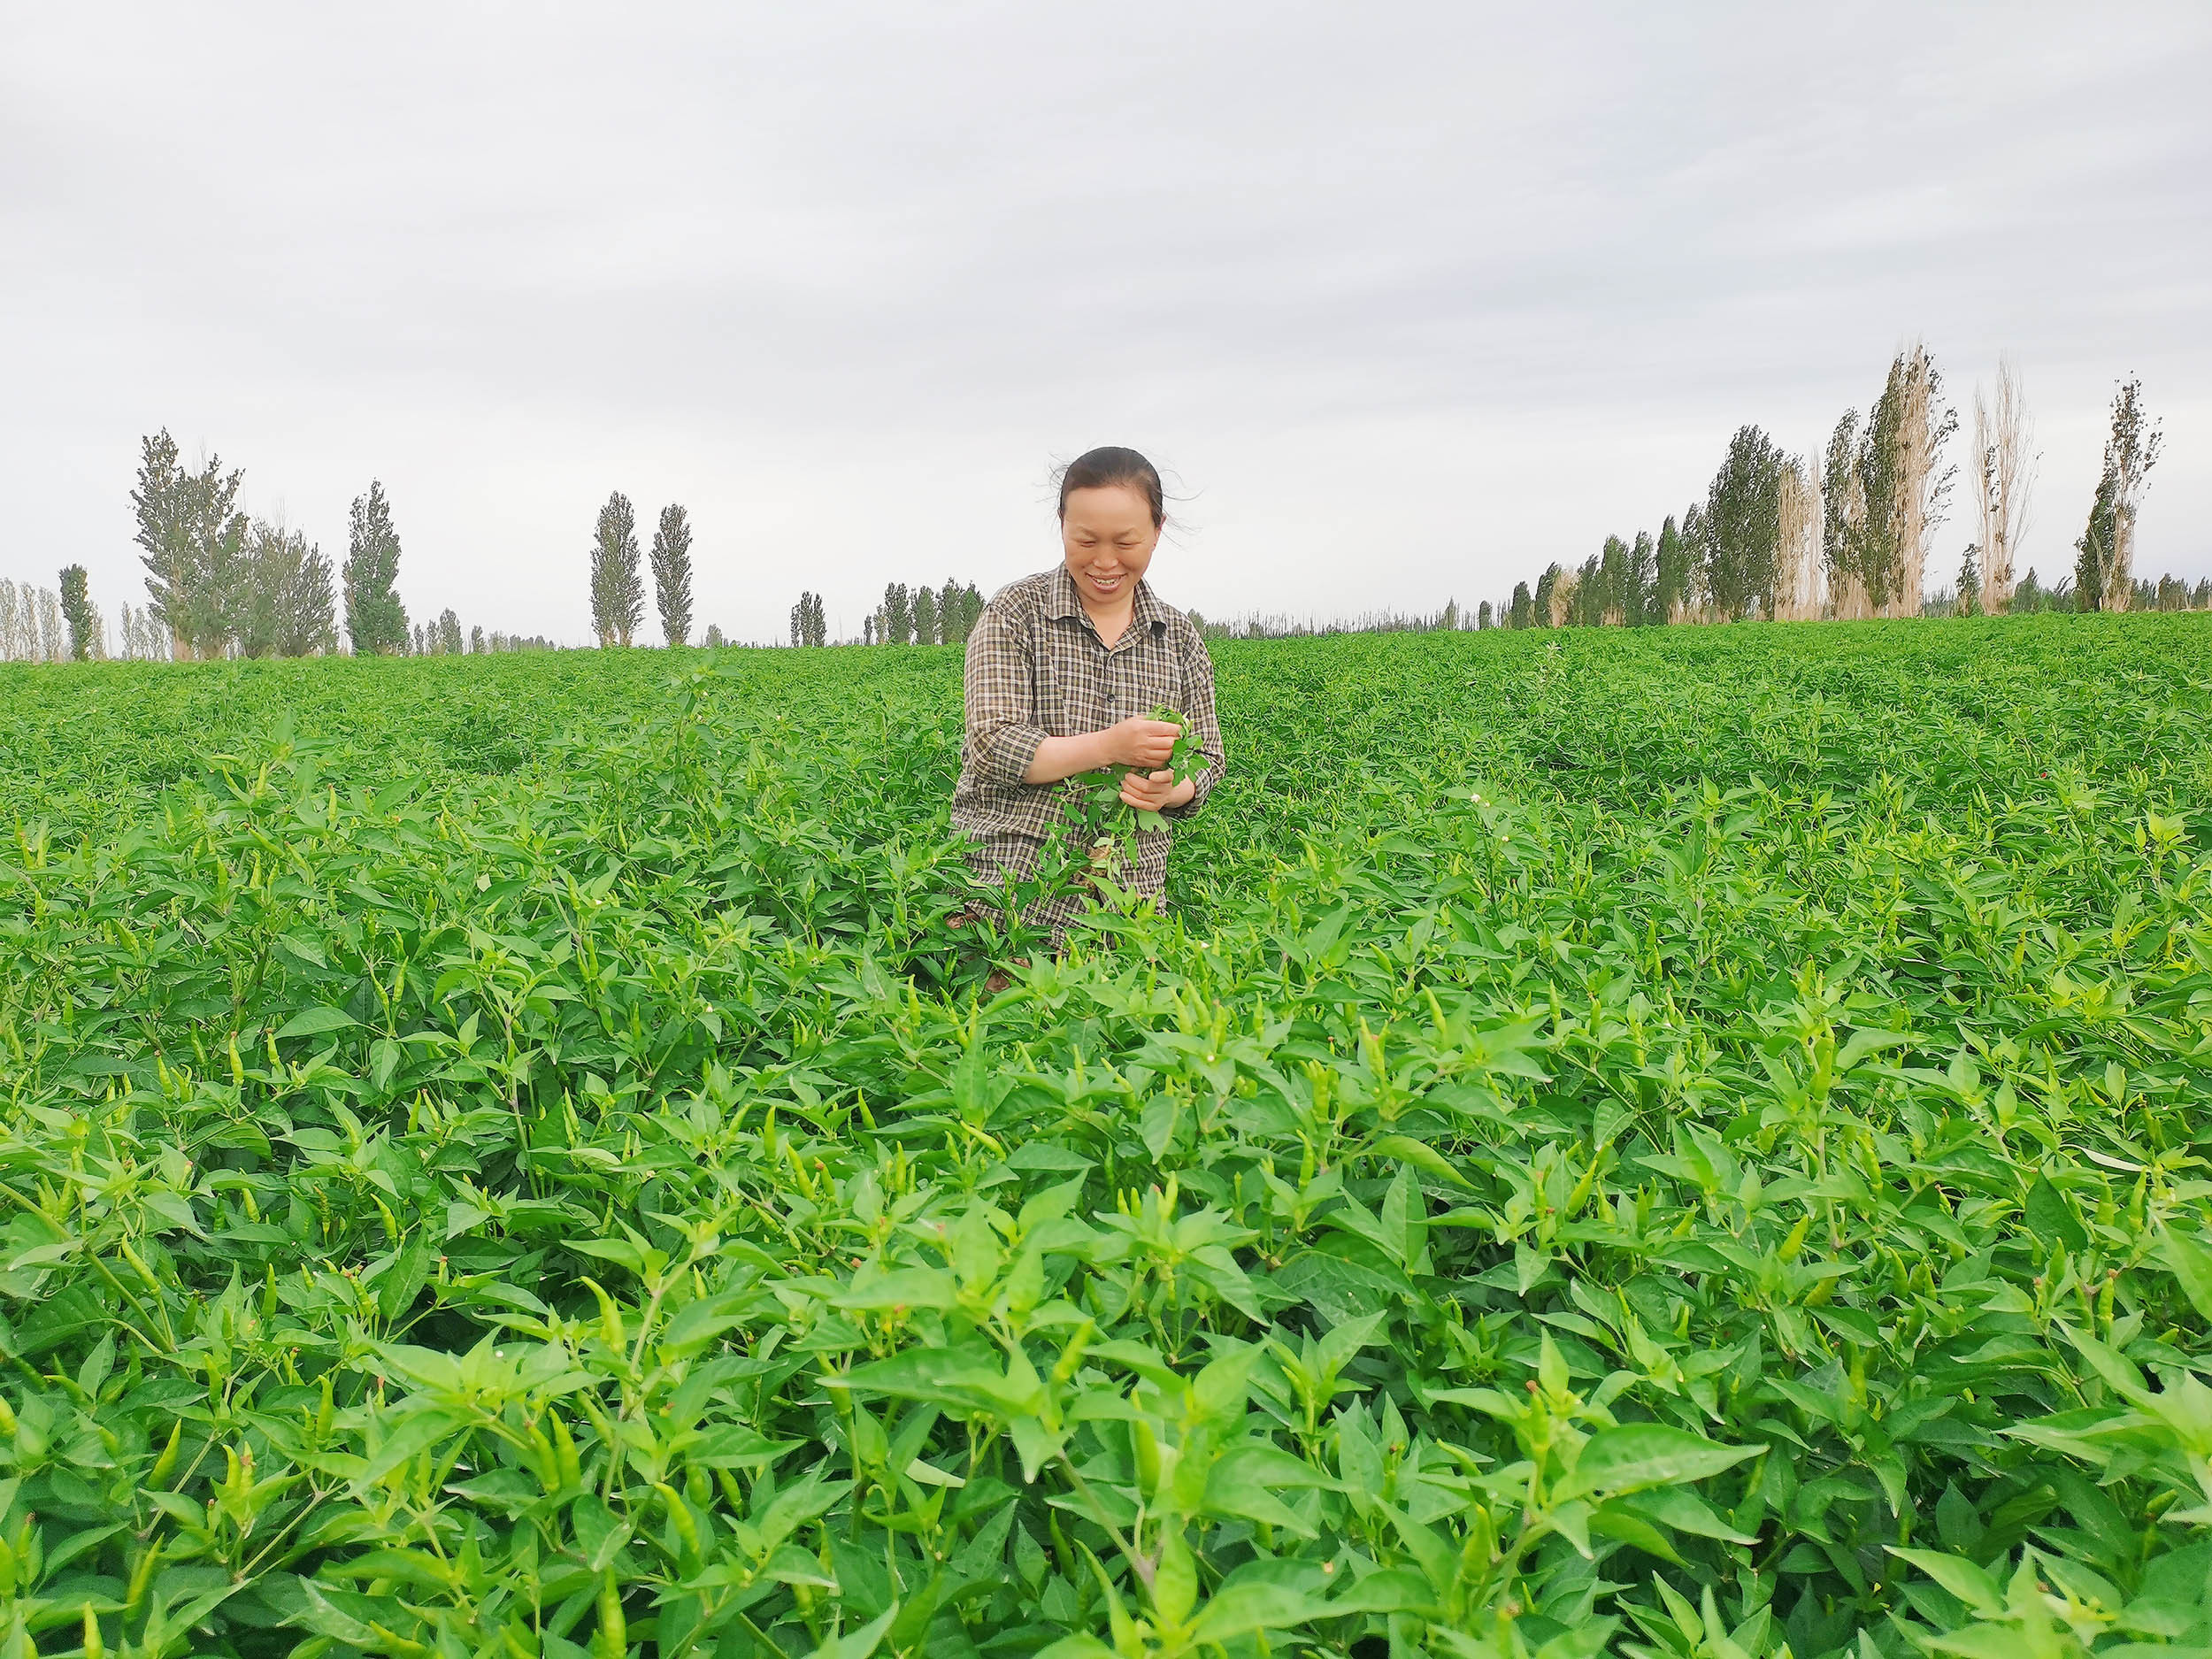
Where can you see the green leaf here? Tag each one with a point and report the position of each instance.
(600, 1533)
(1639, 1455)
(1077, 1647)
(1174, 1581)
(1613, 1520)
(901, 1287)
(1389, 1590)
(2051, 1216)
(1683, 1510)
(1586, 1639)
(860, 1643)
(2192, 1264)
(1865, 1042)
(1963, 1579)
(413, 1433)
(1241, 1609)
(313, 1022)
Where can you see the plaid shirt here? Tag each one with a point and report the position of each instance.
(1037, 668)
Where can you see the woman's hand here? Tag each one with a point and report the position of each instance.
(1145, 744)
(1137, 741)
(1155, 792)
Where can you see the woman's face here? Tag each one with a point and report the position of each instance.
(1107, 537)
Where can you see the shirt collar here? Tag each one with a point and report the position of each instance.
(1064, 600)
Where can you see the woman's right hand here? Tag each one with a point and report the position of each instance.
(1141, 742)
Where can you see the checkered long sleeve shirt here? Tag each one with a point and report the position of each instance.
(1036, 668)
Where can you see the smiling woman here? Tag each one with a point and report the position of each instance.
(1062, 670)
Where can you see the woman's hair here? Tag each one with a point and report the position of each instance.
(1103, 468)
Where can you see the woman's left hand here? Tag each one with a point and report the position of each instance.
(1155, 792)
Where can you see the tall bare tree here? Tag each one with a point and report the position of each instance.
(1797, 545)
(1547, 609)
(1843, 522)
(1562, 596)
(53, 643)
(2007, 466)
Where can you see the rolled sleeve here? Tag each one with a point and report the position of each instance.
(1198, 694)
(1002, 728)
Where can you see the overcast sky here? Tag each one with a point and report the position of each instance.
(1409, 299)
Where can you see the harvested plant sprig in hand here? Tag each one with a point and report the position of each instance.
(1107, 815)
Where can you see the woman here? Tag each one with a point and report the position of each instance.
(1064, 671)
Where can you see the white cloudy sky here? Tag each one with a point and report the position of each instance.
(1410, 298)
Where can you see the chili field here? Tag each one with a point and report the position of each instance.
(1685, 1143)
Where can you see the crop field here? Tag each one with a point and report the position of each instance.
(1685, 1143)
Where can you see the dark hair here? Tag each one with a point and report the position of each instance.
(1103, 468)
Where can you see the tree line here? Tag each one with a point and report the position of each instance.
(1849, 534)
(1844, 534)
(921, 615)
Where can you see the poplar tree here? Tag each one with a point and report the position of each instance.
(924, 616)
(310, 610)
(617, 594)
(1795, 594)
(76, 607)
(1743, 525)
(1901, 490)
(897, 616)
(807, 626)
(2005, 461)
(158, 501)
(1970, 599)
(288, 609)
(1547, 587)
(1584, 600)
(376, 621)
(194, 538)
(1616, 602)
(671, 574)
(1482, 616)
(1843, 521)
(1524, 607)
(2102, 573)
(958, 610)
(1670, 569)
